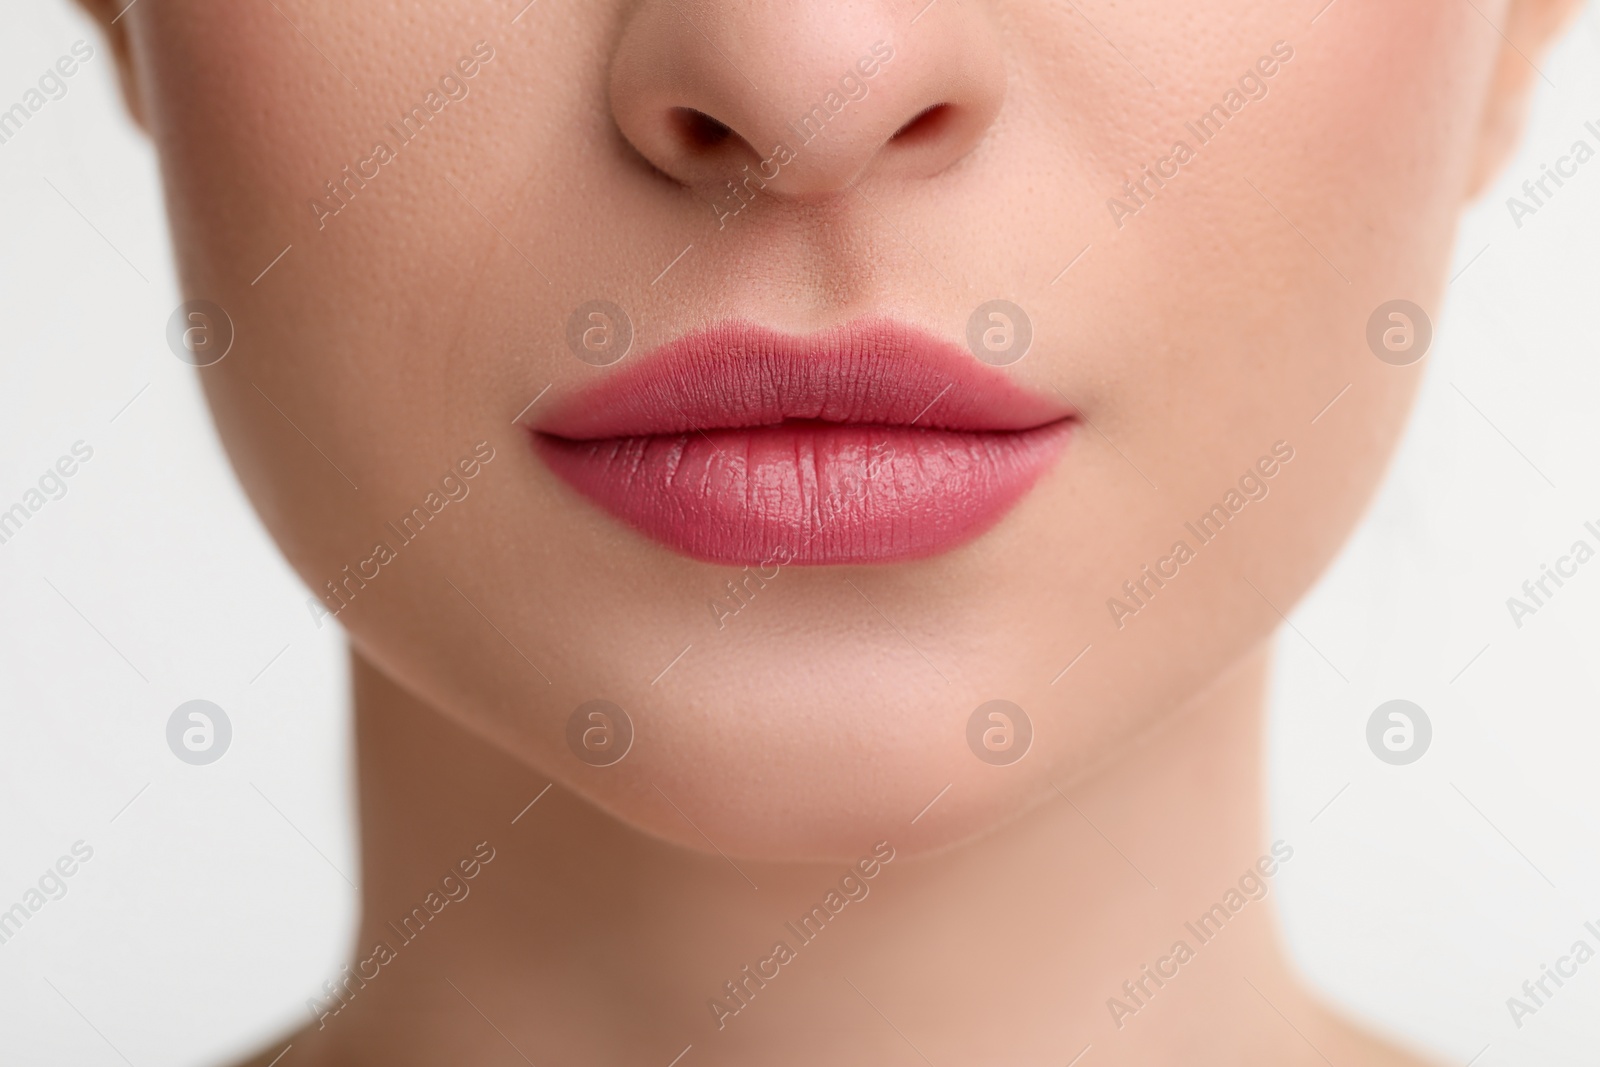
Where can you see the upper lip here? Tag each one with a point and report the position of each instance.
(743, 375)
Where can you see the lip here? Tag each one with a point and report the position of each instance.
(872, 442)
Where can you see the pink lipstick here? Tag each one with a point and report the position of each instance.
(868, 443)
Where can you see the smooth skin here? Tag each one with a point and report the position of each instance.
(1193, 335)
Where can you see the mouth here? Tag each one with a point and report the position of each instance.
(873, 442)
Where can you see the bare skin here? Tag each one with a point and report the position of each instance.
(1214, 317)
(586, 942)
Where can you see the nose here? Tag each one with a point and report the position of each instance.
(809, 95)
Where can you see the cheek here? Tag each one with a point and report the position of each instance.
(1223, 316)
(1232, 305)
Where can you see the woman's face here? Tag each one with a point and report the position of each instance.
(417, 363)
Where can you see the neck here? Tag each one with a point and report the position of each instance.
(1080, 923)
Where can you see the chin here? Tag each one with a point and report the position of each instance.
(767, 778)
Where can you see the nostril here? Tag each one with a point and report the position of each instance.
(926, 126)
(699, 130)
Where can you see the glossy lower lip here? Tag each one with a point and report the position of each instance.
(869, 443)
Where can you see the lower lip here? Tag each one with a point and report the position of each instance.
(809, 492)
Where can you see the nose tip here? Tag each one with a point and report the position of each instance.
(807, 98)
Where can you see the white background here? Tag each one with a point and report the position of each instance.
(1420, 899)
